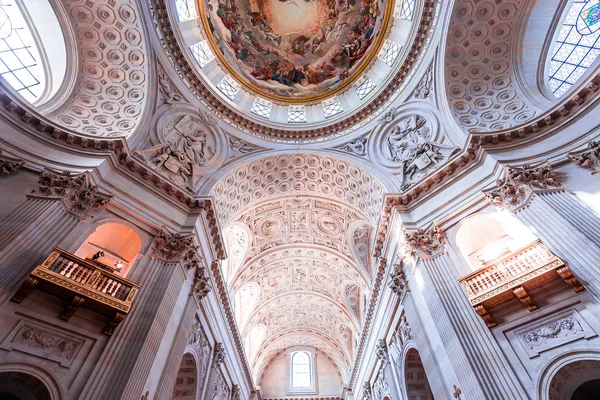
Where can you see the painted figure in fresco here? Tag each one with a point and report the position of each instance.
(323, 53)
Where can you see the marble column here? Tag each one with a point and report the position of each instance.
(565, 226)
(123, 368)
(39, 224)
(474, 354)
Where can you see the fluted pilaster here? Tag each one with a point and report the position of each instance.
(135, 344)
(169, 376)
(40, 223)
(563, 239)
(478, 362)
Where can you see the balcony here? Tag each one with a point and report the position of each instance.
(513, 275)
(82, 282)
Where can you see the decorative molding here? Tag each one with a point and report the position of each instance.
(554, 331)
(170, 43)
(538, 178)
(239, 147)
(366, 391)
(79, 196)
(166, 89)
(368, 321)
(425, 88)
(236, 393)
(44, 342)
(201, 286)
(381, 351)
(219, 354)
(398, 282)
(403, 332)
(426, 244)
(587, 159)
(357, 146)
(8, 165)
(223, 296)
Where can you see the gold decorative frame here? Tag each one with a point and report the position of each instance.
(363, 66)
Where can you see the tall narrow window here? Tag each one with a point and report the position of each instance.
(576, 47)
(301, 370)
(20, 61)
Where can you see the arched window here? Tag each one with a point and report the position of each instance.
(576, 47)
(301, 370)
(33, 53)
(20, 60)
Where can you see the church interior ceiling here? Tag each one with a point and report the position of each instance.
(298, 200)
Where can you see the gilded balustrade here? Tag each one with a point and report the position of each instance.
(524, 269)
(82, 281)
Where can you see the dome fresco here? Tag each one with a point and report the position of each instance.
(295, 49)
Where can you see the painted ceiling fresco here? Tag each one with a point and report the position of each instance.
(295, 48)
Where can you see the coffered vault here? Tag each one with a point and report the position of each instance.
(298, 230)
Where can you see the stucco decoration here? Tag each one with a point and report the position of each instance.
(410, 148)
(187, 149)
(112, 86)
(274, 176)
(479, 71)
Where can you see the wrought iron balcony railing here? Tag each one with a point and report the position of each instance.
(82, 281)
(524, 269)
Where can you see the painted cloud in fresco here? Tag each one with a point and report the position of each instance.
(295, 48)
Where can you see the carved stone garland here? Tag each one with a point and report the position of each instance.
(381, 351)
(220, 355)
(367, 391)
(79, 196)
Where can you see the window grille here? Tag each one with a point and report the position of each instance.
(261, 107)
(364, 87)
(228, 87)
(296, 114)
(576, 47)
(389, 52)
(332, 107)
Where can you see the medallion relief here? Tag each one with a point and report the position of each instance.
(409, 147)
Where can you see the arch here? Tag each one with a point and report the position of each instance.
(564, 374)
(119, 243)
(27, 375)
(186, 383)
(415, 377)
(484, 238)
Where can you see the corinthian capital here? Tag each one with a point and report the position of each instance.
(588, 159)
(79, 196)
(9, 165)
(175, 248)
(539, 177)
(426, 244)
(515, 191)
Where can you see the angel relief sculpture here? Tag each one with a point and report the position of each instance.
(410, 145)
(186, 150)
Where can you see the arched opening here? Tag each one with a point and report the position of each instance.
(578, 380)
(417, 385)
(117, 246)
(21, 386)
(33, 54)
(486, 238)
(186, 383)
(589, 390)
